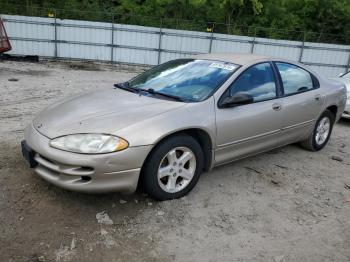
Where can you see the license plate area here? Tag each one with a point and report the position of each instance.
(28, 154)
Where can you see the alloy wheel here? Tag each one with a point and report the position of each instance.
(322, 130)
(176, 169)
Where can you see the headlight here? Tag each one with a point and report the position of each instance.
(89, 143)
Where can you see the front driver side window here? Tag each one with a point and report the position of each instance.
(257, 81)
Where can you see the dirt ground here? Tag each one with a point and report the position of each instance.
(285, 205)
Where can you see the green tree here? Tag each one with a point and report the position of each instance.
(322, 20)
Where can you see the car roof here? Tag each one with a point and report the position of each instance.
(250, 59)
(235, 58)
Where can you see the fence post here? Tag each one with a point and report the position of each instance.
(112, 40)
(55, 41)
(348, 65)
(253, 42)
(160, 40)
(302, 48)
(211, 38)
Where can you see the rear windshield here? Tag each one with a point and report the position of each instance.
(190, 79)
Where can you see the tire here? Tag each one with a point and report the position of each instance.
(164, 169)
(310, 143)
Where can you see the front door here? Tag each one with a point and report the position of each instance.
(251, 128)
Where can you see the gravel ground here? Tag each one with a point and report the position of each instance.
(285, 205)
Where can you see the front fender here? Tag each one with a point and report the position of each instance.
(150, 131)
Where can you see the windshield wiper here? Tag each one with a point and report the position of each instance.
(126, 86)
(154, 92)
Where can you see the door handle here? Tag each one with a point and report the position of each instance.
(276, 107)
(317, 97)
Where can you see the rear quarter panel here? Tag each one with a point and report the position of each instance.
(335, 95)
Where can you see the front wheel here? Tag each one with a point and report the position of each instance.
(173, 168)
(321, 133)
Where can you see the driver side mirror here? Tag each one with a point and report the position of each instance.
(240, 98)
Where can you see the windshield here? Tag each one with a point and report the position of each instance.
(189, 79)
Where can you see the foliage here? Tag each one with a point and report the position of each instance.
(311, 20)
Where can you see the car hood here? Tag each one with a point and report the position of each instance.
(103, 111)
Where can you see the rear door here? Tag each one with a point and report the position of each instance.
(301, 102)
(251, 128)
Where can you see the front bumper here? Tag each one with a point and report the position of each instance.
(101, 173)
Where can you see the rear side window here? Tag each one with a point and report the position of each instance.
(257, 81)
(295, 79)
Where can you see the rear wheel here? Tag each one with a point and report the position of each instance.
(173, 168)
(321, 133)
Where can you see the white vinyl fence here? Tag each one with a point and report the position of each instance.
(118, 43)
